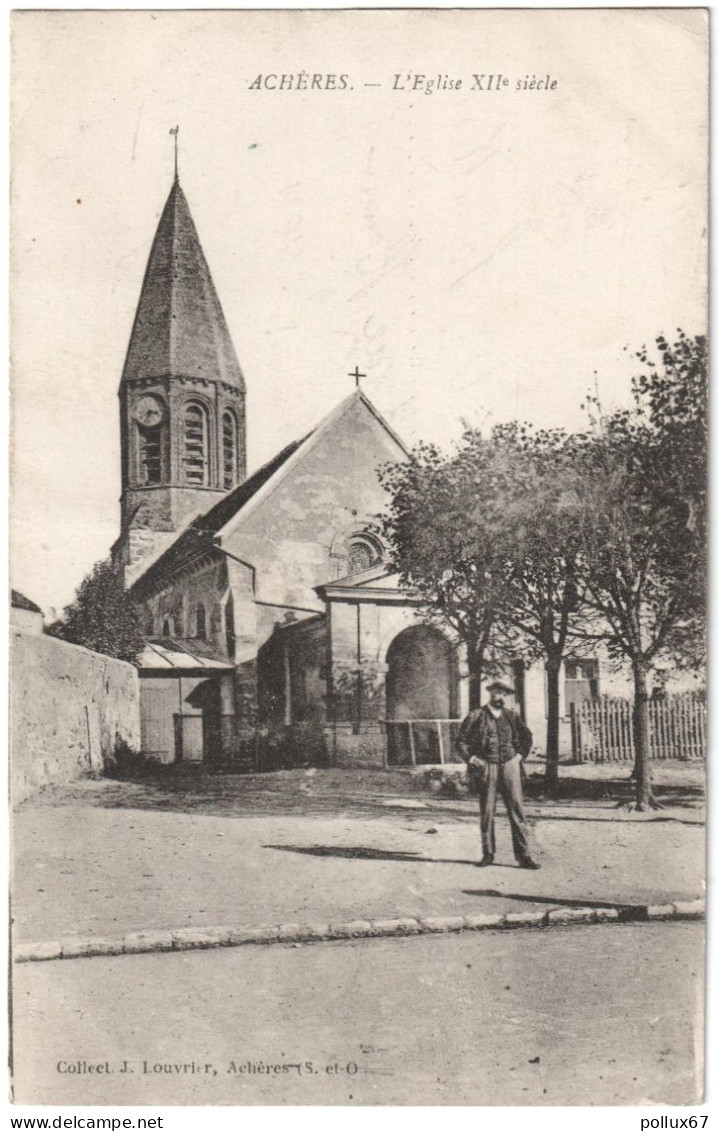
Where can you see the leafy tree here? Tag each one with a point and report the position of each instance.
(643, 493)
(489, 540)
(550, 539)
(103, 616)
(673, 396)
(445, 528)
(544, 600)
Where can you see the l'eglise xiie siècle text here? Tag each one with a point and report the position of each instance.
(429, 84)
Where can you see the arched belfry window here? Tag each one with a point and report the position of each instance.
(148, 414)
(195, 446)
(229, 450)
(149, 443)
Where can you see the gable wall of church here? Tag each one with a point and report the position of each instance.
(293, 535)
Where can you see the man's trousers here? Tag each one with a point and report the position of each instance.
(492, 779)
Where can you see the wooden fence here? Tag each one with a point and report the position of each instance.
(602, 729)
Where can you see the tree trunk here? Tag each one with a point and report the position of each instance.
(553, 671)
(645, 798)
(476, 664)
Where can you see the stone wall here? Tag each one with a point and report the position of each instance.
(69, 708)
(25, 620)
(141, 547)
(348, 750)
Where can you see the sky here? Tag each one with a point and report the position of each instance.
(481, 254)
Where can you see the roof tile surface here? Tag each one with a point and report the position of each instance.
(179, 327)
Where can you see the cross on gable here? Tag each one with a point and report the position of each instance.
(357, 375)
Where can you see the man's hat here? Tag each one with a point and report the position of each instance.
(499, 685)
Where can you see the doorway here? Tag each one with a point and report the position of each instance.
(421, 689)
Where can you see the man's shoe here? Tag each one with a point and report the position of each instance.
(485, 861)
(529, 863)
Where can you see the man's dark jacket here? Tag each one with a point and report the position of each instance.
(479, 736)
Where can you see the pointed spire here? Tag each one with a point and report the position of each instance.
(180, 329)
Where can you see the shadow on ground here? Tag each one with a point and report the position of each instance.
(246, 795)
(226, 797)
(620, 789)
(362, 853)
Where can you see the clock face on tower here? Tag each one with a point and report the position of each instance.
(147, 411)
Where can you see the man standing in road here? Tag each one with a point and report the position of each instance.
(494, 741)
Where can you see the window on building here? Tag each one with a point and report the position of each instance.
(229, 450)
(201, 622)
(195, 446)
(215, 622)
(149, 450)
(581, 681)
(229, 625)
(363, 553)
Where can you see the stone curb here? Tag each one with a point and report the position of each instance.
(206, 938)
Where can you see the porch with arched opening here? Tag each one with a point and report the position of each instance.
(421, 697)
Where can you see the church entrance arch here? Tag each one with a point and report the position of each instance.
(421, 688)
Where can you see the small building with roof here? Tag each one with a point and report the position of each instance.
(25, 615)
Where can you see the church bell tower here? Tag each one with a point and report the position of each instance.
(182, 396)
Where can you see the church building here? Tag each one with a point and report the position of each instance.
(275, 634)
(275, 631)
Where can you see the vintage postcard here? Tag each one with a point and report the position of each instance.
(359, 443)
